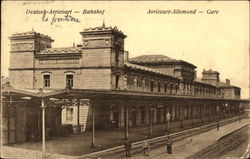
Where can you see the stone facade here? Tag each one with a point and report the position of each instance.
(101, 63)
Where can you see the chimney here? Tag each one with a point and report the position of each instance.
(227, 81)
(126, 54)
(73, 44)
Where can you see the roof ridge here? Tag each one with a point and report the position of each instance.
(152, 58)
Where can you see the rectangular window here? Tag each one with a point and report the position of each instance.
(117, 81)
(171, 87)
(143, 83)
(69, 114)
(176, 88)
(46, 80)
(195, 91)
(159, 86)
(165, 87)
(125, 81)
(142, 117)
(117, 57)
(135, 81)
(152, 86)
(69, 81)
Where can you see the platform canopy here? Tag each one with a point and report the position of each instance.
(100, 95)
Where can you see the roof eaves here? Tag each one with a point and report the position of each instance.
(138, 67)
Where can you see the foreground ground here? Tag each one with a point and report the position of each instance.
(191, 145)
(80, 144)
(75, 144)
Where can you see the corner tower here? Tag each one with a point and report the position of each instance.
(103, 46)
(103, 49)
(24, 46)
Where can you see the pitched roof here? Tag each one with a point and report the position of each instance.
(224, 85)
(151, 58)
(62, 50)
(156, 59)
(142, 68)
(198, 80)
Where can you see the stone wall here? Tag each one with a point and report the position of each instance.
(82, 78)
(21, 78)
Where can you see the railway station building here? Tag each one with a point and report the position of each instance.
(96, 84)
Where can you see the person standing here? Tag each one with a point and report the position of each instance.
(146, 147)
(127, 145)
(169, 143)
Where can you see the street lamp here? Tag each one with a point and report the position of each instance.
(240, 113)
(168, 115)
(218, 124)
(226, 109)
(150, 120)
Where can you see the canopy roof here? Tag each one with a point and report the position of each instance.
(102, 95)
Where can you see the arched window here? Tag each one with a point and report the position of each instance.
(117, 77)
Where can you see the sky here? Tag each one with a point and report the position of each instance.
(217, 41)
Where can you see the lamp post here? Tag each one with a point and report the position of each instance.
(168, 115)
(218, 124)
(43, 129)
(226, 109)
(43, 124)
(240, 113)
(150, 120)
(93, 126)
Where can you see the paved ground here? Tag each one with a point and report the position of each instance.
(80, 144)
(189, 146)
